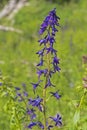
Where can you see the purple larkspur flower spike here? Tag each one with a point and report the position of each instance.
(46, 67)
(51, 20)
(49, 25)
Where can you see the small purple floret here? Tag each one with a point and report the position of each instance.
(36, 102)
(56, 95)
(57, 120)
(32, 124)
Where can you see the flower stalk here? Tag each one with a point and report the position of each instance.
(47, 66)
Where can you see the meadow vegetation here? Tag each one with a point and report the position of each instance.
(18, 58)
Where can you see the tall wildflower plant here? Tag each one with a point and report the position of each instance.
(46, 68)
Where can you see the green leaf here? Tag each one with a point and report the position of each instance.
(76, 117)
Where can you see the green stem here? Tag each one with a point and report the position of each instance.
(44, 89)
(44, 108)
(19, 125)
(25, 107)
(81, 101)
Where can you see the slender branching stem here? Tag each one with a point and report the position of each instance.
(82, 99)
(44, 107)
(44, 89)
(17, 118)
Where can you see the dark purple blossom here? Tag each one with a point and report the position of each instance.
(57, 120)
(32, 114)
(49, 83)
(43, 27)
(51, 40)
(40, 63)
(56, 68)
(40, 125)
(35, 85)
(55, 94)
(41, 52)
(36, 102)
(52, 50)
(32, 124)
(43, 41)
(19, 97)
(55, 60)
(17, 88)
(54, 29)
(40, 72)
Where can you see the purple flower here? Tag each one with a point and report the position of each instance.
(56, 68)
(51, 40)
(55, 60)
(25, 94)
(40, 125)
(17, 88)
(43, 27)
(36, 102)
(57, 120)
(19, 97)
(35, 85)
(54, 30)
(49, 83)
(55, 94)
(43, 41)
(41, 63)
(40, 72)
(32, 124)
(51, 20)
(50, 49)
(40, 53)
(32, 114)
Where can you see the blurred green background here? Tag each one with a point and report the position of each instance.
(18, 58)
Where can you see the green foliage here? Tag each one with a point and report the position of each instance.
(16, 113)
(18, 60)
